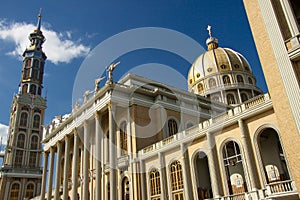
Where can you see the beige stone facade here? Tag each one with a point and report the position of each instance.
(275, 28)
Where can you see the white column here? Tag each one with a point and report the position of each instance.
(66, 168)
(99, 142)
(249, 157)
(58, 173)
(186, 173)
(43, 189)
(213, 166)
(163, 176)
(50, 177)
(143, 180)
(86, 149)
(7, 186)
(75, 166)
(112, 155)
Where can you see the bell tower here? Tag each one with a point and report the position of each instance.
(21, 173)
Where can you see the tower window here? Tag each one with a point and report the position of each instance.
(24, 89)
(26, 73)
(32, 89)
(36, 121)
(28, 63)
(32, 159)
(18, 158)
(34, 142)
(226, 80)
(29, 191)
(172, 127)
(155, 183)
(14, 192)
(23, 119)
(239, 79)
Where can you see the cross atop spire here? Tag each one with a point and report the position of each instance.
(38, 27)
(209, 30)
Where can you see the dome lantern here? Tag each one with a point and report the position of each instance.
(211, 42)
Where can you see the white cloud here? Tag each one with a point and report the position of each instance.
(3, 134)
(59, 47)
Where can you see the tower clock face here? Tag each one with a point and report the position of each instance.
(30, 54)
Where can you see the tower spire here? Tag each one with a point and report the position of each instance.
(38, 26)
(211, 42)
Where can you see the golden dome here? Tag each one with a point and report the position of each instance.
(217, 60)
(222, 74)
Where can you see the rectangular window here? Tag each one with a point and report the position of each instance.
(295, 4)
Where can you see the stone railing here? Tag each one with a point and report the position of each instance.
(201, 128)
(242, 196)
(280, 187)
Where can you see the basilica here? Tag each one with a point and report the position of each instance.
(141, 139)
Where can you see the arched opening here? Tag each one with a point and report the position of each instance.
(204, 189)
(172, 127)
(125, 189)
(233, 163)
(244, 97)
(155, 188)
(212, 83)
(23, 119)
(176, 180)
(272, 155)
(36, 121)
(250, 80)
(230, 99)
(24, 89)
(30, 191)
(200, 87)
(226, 80)
(19, 151)
(14, 192)
(123, 138)
(32, 89)
(239, 79)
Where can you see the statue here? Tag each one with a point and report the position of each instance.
(110, 70)
(97, 82)
(86, 95)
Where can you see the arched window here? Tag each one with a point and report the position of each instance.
(239, 79)
(14, 192)
(226, 80)
(34, 142)
(41, 71)
(230, 99)
(276, 169)
(23, 119)
(250, 80)
(21, 140)
(19, 153)
(172, 127)
(244, 97)
(24, 89)
(176, 180)
(202, 175)
(200, 87)
(36, 121)
(30, 190)
(125, 189)
(155, 189)
(32, 89)
(232, 158)
(28, 63)
(123, 137)
(212, 83)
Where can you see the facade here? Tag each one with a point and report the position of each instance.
(141, 139)
(276, 27)
(21, 174)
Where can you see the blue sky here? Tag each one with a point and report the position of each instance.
(75, 28)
